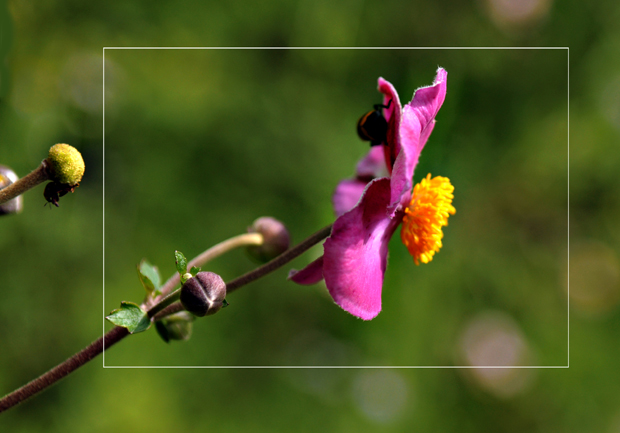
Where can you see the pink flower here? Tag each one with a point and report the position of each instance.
(370, 208)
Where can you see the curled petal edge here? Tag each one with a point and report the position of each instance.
(417, 123)
(311, 274)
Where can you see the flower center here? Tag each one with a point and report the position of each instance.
(427, 213)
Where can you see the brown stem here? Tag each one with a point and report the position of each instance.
(117, 333)
(253, 275)
(164, 303)
(279, 261)
(32, 179)
(61, 370)
(170, 309)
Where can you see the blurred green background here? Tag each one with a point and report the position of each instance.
(199, 143)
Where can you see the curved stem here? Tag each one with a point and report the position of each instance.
(170, 299)
(217, 250)
(156, 313)
(169, 310)
(20, 186)
(242, 240)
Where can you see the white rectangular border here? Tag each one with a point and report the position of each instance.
(358, 48)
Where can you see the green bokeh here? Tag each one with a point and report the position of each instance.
(199, 143)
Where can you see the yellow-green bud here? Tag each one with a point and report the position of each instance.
(66, 165)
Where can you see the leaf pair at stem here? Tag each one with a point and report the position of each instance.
(136, 318)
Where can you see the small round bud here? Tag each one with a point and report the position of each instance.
(66, 165)
(177, 326)
(203, 294)
(276, 239)
(7, 177)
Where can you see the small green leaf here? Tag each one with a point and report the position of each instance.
(181, 262)
(225, 303)
(130, 316)
(149, 276)
(194, 270)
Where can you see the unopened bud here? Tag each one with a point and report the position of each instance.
(203, 294)
(7, 177)
(66, 165)
(177, 326)
(276, 239)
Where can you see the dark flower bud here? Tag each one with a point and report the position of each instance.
(276, 239)
(7, 177)
(203, 294)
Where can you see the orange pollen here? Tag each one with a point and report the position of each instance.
(427, 213)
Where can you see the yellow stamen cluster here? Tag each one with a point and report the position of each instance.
(427, 213)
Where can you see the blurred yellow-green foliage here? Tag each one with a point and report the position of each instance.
(199, 143)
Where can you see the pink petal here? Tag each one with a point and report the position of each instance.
(347, 194)
(372, 165)
(428, 100)
(311, 274)
(349, 191)
(393, 117)
(356, 252)
(418, 120)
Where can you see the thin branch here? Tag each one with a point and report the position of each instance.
(242, 240)
(161, 305)
(253, 275)
(61, 370)
(279, 261)
(169, 310)
(117, 333)
(20, 186)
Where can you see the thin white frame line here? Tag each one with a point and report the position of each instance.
(335, 48)
(513, 367)
(358, 48)
(568, 207)
(103, 210)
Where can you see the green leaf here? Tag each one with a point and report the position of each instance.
(181, 262)
(149, 276)
(194, 270)
(130, 316)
